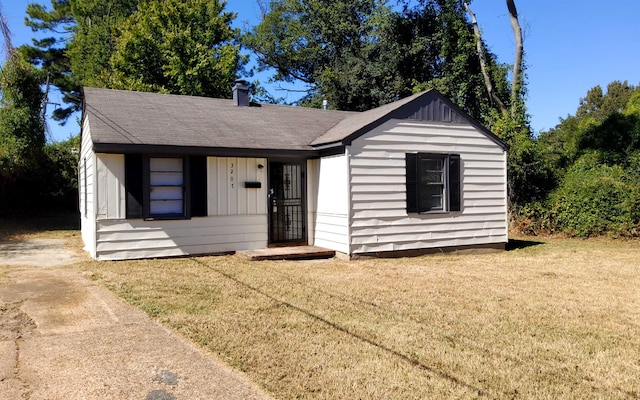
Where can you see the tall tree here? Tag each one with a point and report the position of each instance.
(177, 46)
(98, 27)
(333, 47)
(364, 53)
(184, 47)
(530, 178)
(50, 53)
(21, 128)
(517, 80)
(458, 72)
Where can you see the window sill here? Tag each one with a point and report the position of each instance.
(167, 218)
(437, 212)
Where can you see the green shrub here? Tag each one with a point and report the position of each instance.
(596, 199)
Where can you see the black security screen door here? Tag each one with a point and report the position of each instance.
(286, 203)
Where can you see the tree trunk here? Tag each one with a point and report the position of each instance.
(483, 63)
(516, 80)
(6, 34)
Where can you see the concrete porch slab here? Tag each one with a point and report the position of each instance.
(287, 253)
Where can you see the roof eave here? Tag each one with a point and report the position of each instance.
(154, 149)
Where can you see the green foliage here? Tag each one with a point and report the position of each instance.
(33, 175)
(180, 47)
(600, 106)
(60, 182)
(596, 155)
(602, 119)
(97, 29)
(49, 184)
(50, 53)
(596, 198)
(455, 66)
(617, 137)
(529, 177)
(363, 54)
(335, 47)
(21, 128)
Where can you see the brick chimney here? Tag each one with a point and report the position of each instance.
(241, 93)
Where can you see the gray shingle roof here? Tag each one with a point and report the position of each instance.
(348, 126)
(123, 118)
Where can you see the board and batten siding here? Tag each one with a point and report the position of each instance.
(110, 191)
(86, 188)
(331, 219)
(237, 216)
(379, 218)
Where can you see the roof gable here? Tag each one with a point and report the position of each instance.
(429, 106)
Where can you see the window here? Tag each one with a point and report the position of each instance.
(165, 187)
(433, 182)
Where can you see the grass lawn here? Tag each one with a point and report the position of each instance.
(559, 319)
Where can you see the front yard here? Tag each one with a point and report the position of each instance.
(559, 319)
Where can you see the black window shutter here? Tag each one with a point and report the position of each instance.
(455, 199)
(198, 186)
(412, 182)
(133, 182)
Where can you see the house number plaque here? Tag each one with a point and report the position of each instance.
(232, 175)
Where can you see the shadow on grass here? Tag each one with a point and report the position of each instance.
(12, 225)
(515, 244)
(472, 386)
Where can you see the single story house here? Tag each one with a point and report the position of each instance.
(167, 175)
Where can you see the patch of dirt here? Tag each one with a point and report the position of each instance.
(14, 323)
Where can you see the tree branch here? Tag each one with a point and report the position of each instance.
(516, 81)
(483, 63)
(6, 34)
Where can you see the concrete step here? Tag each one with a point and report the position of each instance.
(287, 253)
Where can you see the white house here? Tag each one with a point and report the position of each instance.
(167, 175)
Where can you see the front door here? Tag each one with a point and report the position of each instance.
(287, 219)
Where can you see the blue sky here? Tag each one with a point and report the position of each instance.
(570, 47)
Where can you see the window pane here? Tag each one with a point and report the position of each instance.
(432, 177)
(432, 174)
(431, 164)
(165, 178)
(165, 207)
(431, 197)
(166, 186)
(165, 164)
(166, 193)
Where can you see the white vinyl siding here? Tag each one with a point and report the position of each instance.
(237, 215)
(379, 220)
(130, 239)
(86, 192)
(331, 222)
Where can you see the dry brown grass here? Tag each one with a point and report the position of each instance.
(555, 320)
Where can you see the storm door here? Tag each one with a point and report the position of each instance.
(287, 219)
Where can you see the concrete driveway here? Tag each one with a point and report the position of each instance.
(36, 252)
(64, 337)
